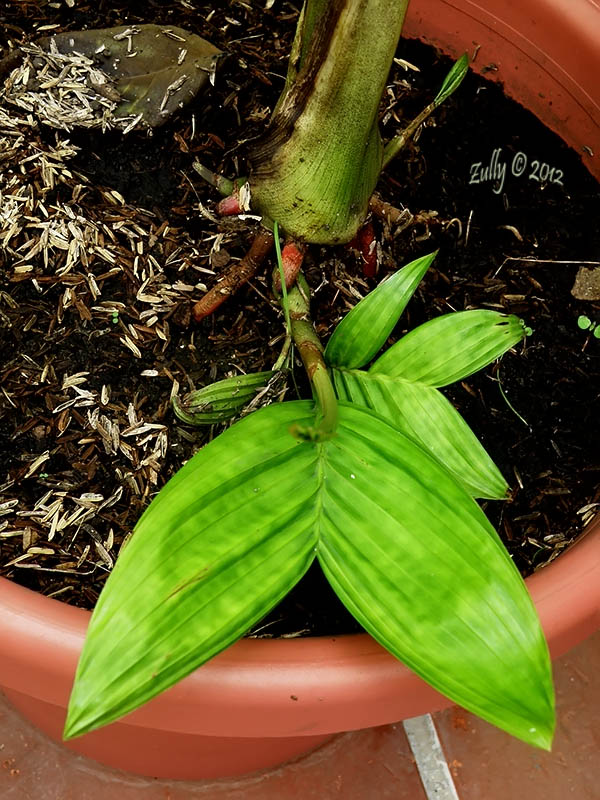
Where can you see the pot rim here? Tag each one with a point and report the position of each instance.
(281, 687)
(539, 34)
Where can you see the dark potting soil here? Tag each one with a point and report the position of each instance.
(90, 363)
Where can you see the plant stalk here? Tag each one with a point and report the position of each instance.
(317, 166)
(452, 81)
(395, 145)
(311, 352)
(223, 185)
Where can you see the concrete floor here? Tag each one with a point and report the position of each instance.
(376, 764)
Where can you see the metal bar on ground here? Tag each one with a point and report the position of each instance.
(431, 761)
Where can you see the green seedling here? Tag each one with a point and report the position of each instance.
(586, 324)
(375, 478)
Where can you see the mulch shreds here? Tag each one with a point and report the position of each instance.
(107, 240)
(95, 301)
(64, 91)
(90, 288)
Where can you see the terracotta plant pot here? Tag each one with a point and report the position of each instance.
(264, 701)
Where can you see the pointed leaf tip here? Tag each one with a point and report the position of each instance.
(219, 546)
(451, 347)
(366, 327)
(414, 559)
(453, 79)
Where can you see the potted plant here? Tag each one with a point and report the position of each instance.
(298, 712)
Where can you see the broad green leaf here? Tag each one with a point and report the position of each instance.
(453, 79)
(169, 68)
(414, 559)
(403, 544)
(365, 329)
(451, 347)
(423, 413)
(223, 542)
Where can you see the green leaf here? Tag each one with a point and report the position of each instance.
(365, 329)
(450, 347)
(424, 414)
(223, 542)
(170, 66)
(403, 544)
(414, 559)
(453, 79)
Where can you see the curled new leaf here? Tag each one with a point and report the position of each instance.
(222, 400)
(450, 347)
(364, 330)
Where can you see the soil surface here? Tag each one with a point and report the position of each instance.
(106, 239)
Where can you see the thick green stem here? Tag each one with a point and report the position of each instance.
(315, 12)
(318, 164)
(311, 352)
(312, 12)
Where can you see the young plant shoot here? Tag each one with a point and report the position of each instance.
(374, 477)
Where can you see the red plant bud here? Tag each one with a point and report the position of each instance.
(367, 247)
(229, 206)
(292, 257)
(365, 243)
